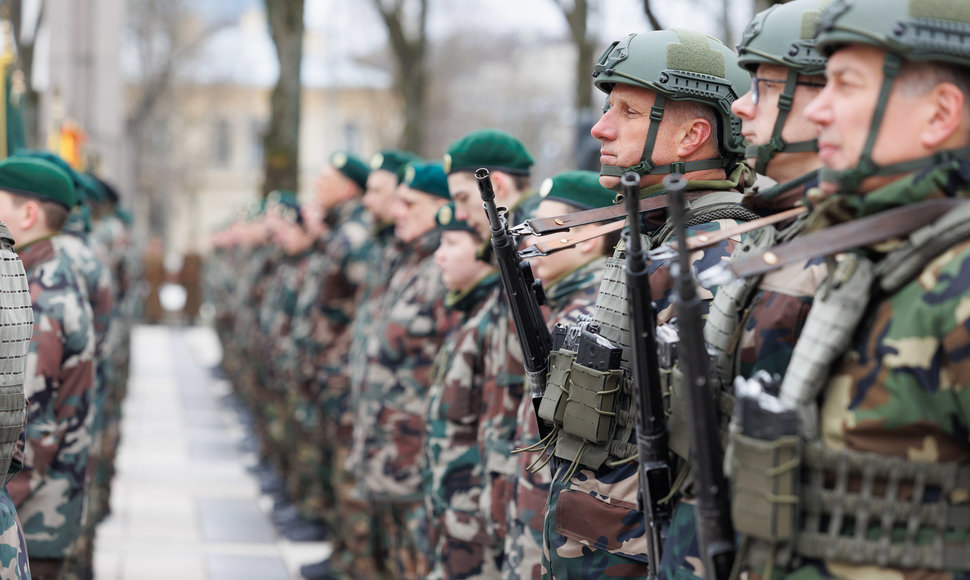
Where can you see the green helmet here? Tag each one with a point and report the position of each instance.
(682, 66)
(909, 30)
(782, 35)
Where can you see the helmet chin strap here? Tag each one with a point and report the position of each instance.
(647, 166)
(765, 152)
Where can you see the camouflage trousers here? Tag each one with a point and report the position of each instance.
(13, 547)
(461, 547)
(357, 550)
(681, 558)
(588, 534)
(404, 535)
(310, 482)
(523, 542)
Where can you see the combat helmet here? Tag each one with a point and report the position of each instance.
(909, 30)
(782, 35)
(679, 65)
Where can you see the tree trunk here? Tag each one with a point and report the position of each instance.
(282, 140)
(411, 74)
(25, 58)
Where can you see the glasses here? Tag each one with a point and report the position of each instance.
(755, 81)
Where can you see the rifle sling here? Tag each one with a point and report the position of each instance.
(561, 223)
(544, 247)
(708, 239)
(865, 231)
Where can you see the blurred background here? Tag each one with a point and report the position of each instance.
(196, 108)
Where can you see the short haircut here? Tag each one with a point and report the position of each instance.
(684, 110)
(55, 214)
(919, 78)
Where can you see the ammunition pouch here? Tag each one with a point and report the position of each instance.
(591, 406)
(764, 486)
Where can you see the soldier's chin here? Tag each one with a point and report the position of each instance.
(610, 182)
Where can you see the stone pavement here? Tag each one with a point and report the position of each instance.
(184, 505)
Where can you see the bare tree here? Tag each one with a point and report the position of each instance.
(282, 140)
(760, 5)
(576, 13)
(162, 44)
(407, 28)
(25, 55)
(648, 10)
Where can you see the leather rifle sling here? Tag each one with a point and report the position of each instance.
(561, 223)
(698, 242)
(544, 247)
(845, 236)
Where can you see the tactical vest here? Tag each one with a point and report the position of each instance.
(793, 496)
(589, 389)
(16, 328)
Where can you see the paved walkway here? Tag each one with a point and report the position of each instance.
(184, 505)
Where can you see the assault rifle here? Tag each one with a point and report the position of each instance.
(523, 291)
(713, 514)
(651, 424)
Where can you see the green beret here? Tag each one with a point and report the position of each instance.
(62, 164)
(580, 189)
(352, 167)
(446, 220)
(37, 178)
(90, 188)
(427, 178)
(489, 148)
(392, 160)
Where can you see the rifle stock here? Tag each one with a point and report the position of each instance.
(713, 514)
(530, 325)
(652, 451)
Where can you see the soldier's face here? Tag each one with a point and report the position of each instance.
(622, 132)
(379, 197)
(468, 202)
(456, 258)
(11, 213)
(330, 189)
(414, 213)
(844, 111)
(758, 121)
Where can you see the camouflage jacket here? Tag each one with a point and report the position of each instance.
(902, 389)
(95, 280)
(413, 324)
(13, 545)
(453, 466)
(615, 546)
(58, 383)
(568, 299)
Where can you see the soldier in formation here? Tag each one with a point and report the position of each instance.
(834, 323)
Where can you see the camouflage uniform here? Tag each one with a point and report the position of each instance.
(886, 396)
(504, 383)
(453, 466)
(13, 546)
(616, 547)
(567, 299)
(321, 334)
(413, 324)
(59, 385)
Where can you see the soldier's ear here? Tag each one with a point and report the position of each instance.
(30, 214)
(948, 121)
(697, 132)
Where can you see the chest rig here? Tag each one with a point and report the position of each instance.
(792, 496)
(589, 389)
(17, 320)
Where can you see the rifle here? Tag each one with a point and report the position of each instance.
(523, 291)
(651, 424)
(713, 515)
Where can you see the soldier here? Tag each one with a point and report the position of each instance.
(755, 327)
(510, 163)
(35, 199)
(414, 321)
(877, 385)
(356, 551)
(572, 278)
(453, 466)
(670, 94)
